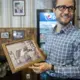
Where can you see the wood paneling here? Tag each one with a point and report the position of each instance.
(29, 33)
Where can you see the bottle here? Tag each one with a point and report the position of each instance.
(28, 76)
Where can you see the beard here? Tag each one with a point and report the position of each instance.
(65, 23)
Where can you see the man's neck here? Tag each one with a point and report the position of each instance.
(59, 27)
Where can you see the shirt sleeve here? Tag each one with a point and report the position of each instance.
(73, 70)
(47, 46)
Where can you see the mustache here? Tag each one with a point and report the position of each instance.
(67, 15)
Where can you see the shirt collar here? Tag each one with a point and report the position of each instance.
(65, 29)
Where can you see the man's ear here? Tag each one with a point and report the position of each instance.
(54, 10)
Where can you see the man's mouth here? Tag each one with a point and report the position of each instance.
(66, 17)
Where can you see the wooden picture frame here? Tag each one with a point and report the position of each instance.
(18, 7)
(22, 53)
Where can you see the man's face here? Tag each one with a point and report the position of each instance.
(64, 11)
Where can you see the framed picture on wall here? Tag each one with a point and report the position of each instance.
(18, 7)
(18, 34)
(4, 34)
(21, 54)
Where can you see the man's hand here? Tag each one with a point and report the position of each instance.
(40, 67)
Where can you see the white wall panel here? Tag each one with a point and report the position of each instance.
(0, 13)
(27, 17)
(4, 13)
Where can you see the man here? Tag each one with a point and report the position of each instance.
(62, 46)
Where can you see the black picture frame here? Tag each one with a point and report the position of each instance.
(18, 34)
(18, 7)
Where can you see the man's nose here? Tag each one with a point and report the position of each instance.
(66, 10)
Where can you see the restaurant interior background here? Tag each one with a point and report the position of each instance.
(9, 21)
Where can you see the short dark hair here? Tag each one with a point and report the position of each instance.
(54, 2)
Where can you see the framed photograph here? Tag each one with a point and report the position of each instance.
(4, 34)
(21, 54)
(18, 34)
(19, 7)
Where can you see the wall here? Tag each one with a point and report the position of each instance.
(29, 20)
(8, 20)
(78, 13)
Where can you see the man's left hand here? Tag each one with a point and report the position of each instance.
(40, 67)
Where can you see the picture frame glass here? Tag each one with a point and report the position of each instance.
(18, 34)
(21, 54)
(4, 34)
(18, 7)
